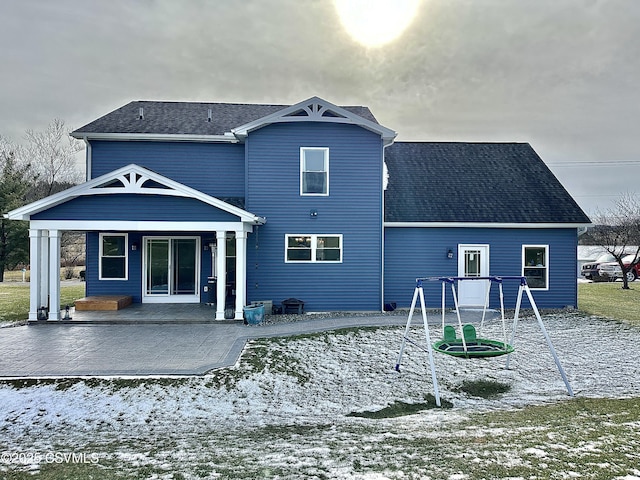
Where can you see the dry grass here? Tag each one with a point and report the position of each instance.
(611, 301)
(14, 299)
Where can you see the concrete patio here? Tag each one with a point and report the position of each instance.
(146, 340)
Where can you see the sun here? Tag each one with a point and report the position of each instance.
(374, 23)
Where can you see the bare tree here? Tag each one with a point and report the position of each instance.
(53, 154)
(46, 164)
(72, 252)
(619, 232)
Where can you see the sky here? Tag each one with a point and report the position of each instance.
(560, 75)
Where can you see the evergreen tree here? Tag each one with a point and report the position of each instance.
(15, 183)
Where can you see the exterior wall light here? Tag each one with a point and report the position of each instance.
(450, 254)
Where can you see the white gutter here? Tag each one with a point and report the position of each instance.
(158, 137)
(483, 225)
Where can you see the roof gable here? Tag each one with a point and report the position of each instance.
(131, 179)
(450, 182)
(315, 109)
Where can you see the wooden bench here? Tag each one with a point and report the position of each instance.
(104, 302)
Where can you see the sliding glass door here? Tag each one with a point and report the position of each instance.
(171, 270)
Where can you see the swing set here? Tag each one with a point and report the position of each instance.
(469, 344)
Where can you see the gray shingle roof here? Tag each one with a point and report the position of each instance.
(474, 182)
(187, 118)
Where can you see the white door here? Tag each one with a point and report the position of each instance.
(171, 270)
(473, 261)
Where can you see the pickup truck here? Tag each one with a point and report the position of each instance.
(612, 271)
(591, 270)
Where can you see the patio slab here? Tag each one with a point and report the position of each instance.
(143, 349)
(160, 340)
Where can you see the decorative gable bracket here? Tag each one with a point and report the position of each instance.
(134, 182)
(316, 112)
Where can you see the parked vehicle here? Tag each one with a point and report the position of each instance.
(612, 271)
(591, 270)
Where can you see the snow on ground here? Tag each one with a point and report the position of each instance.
(312, 383)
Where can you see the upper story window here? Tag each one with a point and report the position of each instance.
(113, 256)
(535, 266)
(314, 171)
(313, 248)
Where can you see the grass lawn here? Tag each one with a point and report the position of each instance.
(608, 299)
(581, 438)
(14, 299)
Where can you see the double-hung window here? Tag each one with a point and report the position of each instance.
(313, 248)
(535, 266)
(113, 256)
(314, 171)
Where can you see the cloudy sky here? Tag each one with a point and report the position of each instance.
(559, 74)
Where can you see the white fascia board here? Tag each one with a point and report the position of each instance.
(158, 137)
(138, 226)
(482, 225)
(280, 116)
(89, 188)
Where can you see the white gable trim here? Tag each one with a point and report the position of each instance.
(315, 109)
(130, 179)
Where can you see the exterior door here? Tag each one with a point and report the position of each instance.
(171, 270)
(473, 261)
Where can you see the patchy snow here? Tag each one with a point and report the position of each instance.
(312, 383)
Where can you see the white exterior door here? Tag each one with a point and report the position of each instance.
(171, 270)
(473, 261)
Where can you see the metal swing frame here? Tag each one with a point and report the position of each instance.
(418, 294)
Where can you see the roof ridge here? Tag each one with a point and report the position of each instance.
(461, 142)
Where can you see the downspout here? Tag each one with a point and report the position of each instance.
(88, 160)
(385, 173)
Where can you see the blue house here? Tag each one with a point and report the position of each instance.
(234, 203)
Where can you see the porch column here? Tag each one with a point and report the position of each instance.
(221, 267)
(44, 269)
(54, 275)
(35, 284)
(241, 273)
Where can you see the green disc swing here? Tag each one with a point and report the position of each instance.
(469, 345)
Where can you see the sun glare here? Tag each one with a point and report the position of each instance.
(374, 23)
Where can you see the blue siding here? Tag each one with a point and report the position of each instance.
(421, 252)
(133, 285)
(353, 209)
(216, 169)
(137, 208)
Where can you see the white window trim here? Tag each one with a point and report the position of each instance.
(126, 256)
(326, 161)
(314, 241)
(546, 267)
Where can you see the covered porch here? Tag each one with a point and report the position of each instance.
(45, 271)
(139, 223)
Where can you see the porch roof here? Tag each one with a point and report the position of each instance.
(127, 181)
